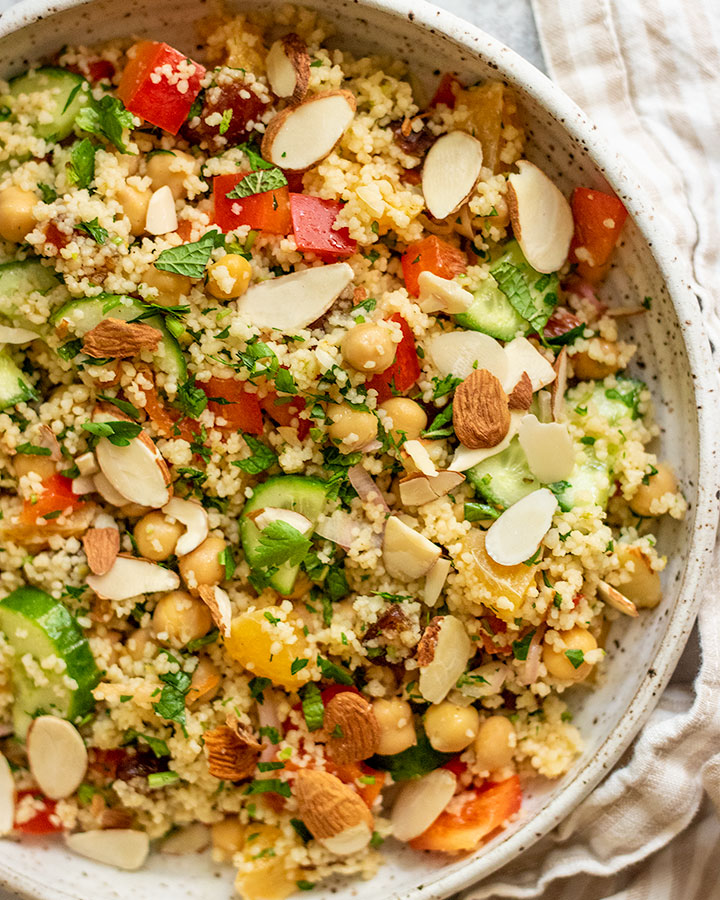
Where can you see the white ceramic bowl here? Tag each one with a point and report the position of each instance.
(674, 359)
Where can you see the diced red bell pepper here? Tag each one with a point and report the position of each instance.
(286, 413)
(41, 822)
(431, 255)
(456, 766)
(101, 70)
(405, 369)
(599, 219)
(447, 91)
(241, 409)
(56, 497)
(268, 212)
(159, 84)
(312, 222)
(483, 813)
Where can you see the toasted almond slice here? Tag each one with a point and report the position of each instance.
(7, 797)
(549, 449)
(264, 517)
(218, 602)
(520, 397)
(191, 839)
(161, 216)
(442, 295)
(294, 301)
(420, 457)
(82, 485)
(415, 490)
(465, 458)
(86, 463)
(302, 135)
(407, 554)
(123, 848)
(137, 472)
(541, 217)
(559, 386)
(420, 802)
(521, 356)
(9, 335)
(288, 67)
(56, 755)
(612, 596)
(232, 750)
(352, 730)
(119, 339)
(106, 490)
(435, 581)
(459, 352)
(131, 576)
(515, 536)
(192, 515)
(442, 655)
(101, 546)
(333, 812)
(450, 172)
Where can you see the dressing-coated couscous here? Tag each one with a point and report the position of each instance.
(321, 476)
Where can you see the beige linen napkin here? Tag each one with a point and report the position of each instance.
(648, 72)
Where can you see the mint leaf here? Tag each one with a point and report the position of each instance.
(118, 433)
(252, 151)
(191, 400)
(312, 706)
(476, 512)
(512, 282)
(414, 762)
(106, 117)
(441, 426)
(94, 230)
(257, 685)
(122, 405)
(335, 673)
(171, 705)
(189, 259)
(297, 664)
(576, 657)
(281, 543)
(268, 785)
(268, 179)
(520, 648)
(203, 641)
(49, 194)
(262, 457)
(158, 746)
(81, 168)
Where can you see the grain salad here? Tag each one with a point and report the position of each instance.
(322, 478)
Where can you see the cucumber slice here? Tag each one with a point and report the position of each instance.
(505, 478)
(81, 316)
(304, 495)
(618, 402)
(37, 626)
(68, 93)
(492, 313)
(589, 484)
(19, 279)
(14, 385)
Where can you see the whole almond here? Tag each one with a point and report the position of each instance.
(231, 751)
(352, 729)
(101, 546)
(327, 805)
(428, 641)
(480, 410)
(114, 338)
(521, 395)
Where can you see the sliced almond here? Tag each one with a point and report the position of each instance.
(549, 449)
(294, 301)
(232, 751)
(56, 755)
(442, 655)
(420, 802)
(481, 416)
(302, 135)
(9, 335)
(465, 458)
(420, 457)
(520, 397)
(417, 489)
(288, 67)
(101, 546)
(515, 537)
(541, 217)
(7, 797)
(86, 463)
(407, 554)
(442, 295)
(106, 490)
(352, 730)
(161, 216)
(137, 472)
(435, 581)
(103, 520)
(458, 353)
(123, 848)
(612, 596)
(450, 172)
(333, 812)
(559, 386)
(264, 517)
(187, 840)
(82, 485)
(218, 602)
(521, 356)
(192, 515)
(118, 339)
(130, 576)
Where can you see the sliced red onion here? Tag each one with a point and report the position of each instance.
(585, 290)
(532, 662)
(366, 487)
(338, 528)
(268, 718)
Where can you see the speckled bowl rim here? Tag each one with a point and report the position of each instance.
(676, 277)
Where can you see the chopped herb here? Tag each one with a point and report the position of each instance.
(334, 672)
(414, 762)
(648, 475)
(118, 433)
(252, 151)
(158, 746)
(520, 648)
(576, 657)
(106, 117)
(273, 620)
(189, 259)
(49, 194)
(647, 302)
(162, 779)
(122, 405)
(586, 439)
(393, 598)
(303, 885)
(367, 779)
(33, 450)
(225, 121)
(302, 830)
(270, 766)
(444, 386)
(227, 561)
(203, 641)
(627, 391)
(94, 230)
(191, 400)
(272, 734)
(475, 511)
(81, 167)
(297, 664)
(258, 183)
(280, 543)
(441, 426)
(257, 685)
(337, 732)
(376, 840)
(312, 706)
(171, 705)
(261, 458)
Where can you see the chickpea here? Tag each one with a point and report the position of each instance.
(182, 618)
(26, 464)
(352, 428)
(587, 368)
(156, 536)
(170, 169)
(205, 682)
(644, 587)
(135, 206)
(451, 728)
(556, 660)
(203, 565)
(494, 744)
(16, 213)
(229, 277)
(661, 483)
(137, 642)
(228, 837)
(369, 348)
(171, 287)
(397, 729)
(407, 417)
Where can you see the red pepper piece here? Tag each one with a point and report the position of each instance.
(405, 369)
(41, 822)
(268, 212)
(56, 497)
(312, 222)
(431, 255)
(241, 410)
(286, 413)
(447, 91)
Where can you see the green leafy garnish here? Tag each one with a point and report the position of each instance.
(312, 706)
(33, 450)
(49, 194)
(162, 779)
(171, 705)
(267, 179)
(302, 830)
(122, 405)
(512, 282)
(189, 259)
(225, 121)
(203, 641)
(476, 511)
(252, 151)
(297, 664)
(414, 762)
(334, 672)
(118, 433)
(520, 648)
(281, 543)
(94, 230)
(627, 391)
(191, 399)
(268, 786)
(106, 117)
(441, 426)
(257, 685)
(444, 386)
(576, 657)
(261, 458)
(81, 167)
(158, 746)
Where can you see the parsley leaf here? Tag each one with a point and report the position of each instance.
(81, 167)
(520, 648)
(257, 685)
(122, 405)
(106, 117)
(335, 673)
(171, 705)
(258, 183)
(118, 433)
(191, 400)
(443, 386)
(49, 194)
(34, 450)
(302, 830)
(627, 391)
(252, 151)
(576, 657)
(189, 259)
(268, 785)
(297, 664)
(417, 760)
(95, 230)
(262, 457)
(281, 543)
(441, 426)
(158, 746)
(476, 511)
(312, 706)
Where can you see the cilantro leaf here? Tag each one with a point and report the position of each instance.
(189, 259)
(49, 194)
(297, 664)
(171, 705)
(81, 167)
(118, 433)
(267, 179)
(513, 283)
(281, 543)
(576, 657)
(158, 746)
(335, 673)
(95, 230)
(262, 457)
(414, 762)
(312, 706)
(444, 386)
(203, 641)
(191, 399)
(106, 117)
(441, 426)
(252, 151)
